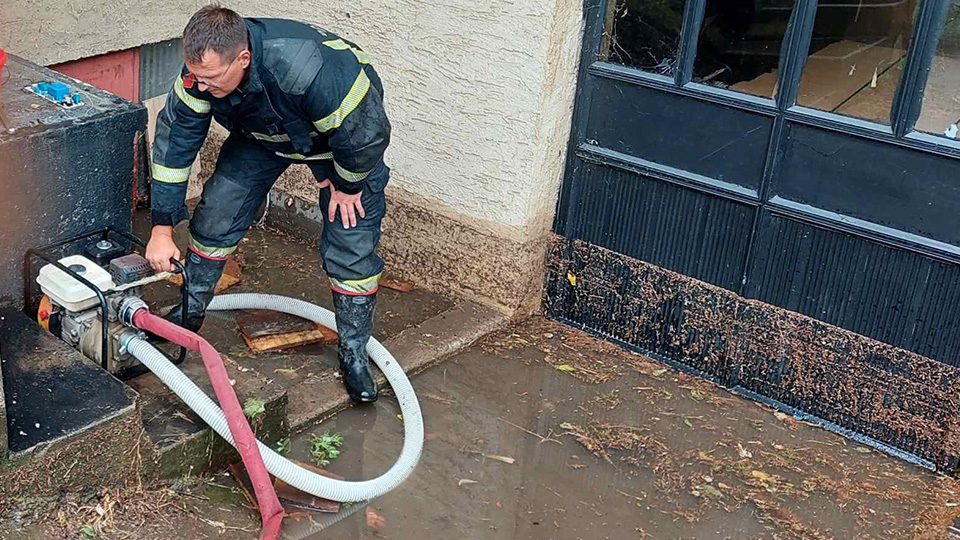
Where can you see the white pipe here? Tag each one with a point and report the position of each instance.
(296, 476)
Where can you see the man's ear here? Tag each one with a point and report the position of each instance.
(244, 58)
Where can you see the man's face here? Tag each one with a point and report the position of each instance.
(217, 75)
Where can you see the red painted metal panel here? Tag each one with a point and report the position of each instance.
(116, 72)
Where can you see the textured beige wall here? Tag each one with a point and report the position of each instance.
(49, 32)
(480, 96)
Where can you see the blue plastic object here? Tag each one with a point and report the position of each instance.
(58, 93)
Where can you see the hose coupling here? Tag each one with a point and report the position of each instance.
(128, 308)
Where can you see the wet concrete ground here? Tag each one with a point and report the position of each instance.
(273, 263)
(542, 432)
(608, 444)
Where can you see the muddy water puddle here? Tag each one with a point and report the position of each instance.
(522, 441)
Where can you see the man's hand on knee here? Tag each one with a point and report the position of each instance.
(349, 205)
(161, 248)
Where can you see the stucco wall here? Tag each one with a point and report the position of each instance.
(48, 32)
(479, 94)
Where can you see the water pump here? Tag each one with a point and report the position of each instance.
(82, 295)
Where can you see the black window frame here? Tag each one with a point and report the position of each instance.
(905, 107)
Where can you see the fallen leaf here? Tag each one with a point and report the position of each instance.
(568, 425)
(564, 367)
(762, 476)
(375, 520)
(723, 486)
(783, 417)
(254, 407)
(659, 372)
(863, 450)
(687, 421)
(505, 459)
(744, 453)
(286, 372)
(709, 491)
(464, 481)
(572, 278)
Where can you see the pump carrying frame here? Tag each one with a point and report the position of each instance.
(43, 253)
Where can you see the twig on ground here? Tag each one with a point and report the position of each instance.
(537, 435)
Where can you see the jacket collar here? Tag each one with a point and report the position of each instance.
(252, 84)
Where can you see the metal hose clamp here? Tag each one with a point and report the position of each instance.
(125, 337)
(128, 308)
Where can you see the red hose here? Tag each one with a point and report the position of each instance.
(270, 510)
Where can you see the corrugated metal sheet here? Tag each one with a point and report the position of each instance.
(674, 227)
(159, 65)
(892, 295)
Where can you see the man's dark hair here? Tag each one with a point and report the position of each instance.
(214, 28)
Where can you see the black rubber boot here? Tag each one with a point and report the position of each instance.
(355, 324)
(202, 277)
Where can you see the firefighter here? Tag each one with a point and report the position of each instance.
(288, 93)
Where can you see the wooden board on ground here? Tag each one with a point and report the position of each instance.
(232, 274)
(257, 323)
(266, 331)
(288, 341)
(291, 497)
(396, 284)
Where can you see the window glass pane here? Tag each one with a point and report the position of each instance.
(941, 99)
(856, 57)
(739, 46)
(644, 34)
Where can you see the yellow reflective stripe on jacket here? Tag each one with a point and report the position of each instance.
(356, 94)
(170, 176)
(350, 176)
(282, 137)
(326, 155)
(356, 286)
(340, 45)
(210, 251)
(198, 105)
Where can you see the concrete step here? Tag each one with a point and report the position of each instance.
(180, 441)
(65, 416)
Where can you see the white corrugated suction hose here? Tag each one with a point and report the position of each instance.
(296, 476)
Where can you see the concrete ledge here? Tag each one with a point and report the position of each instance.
(439, 253)
(178, 440)
(416, 349)
(108, 455)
